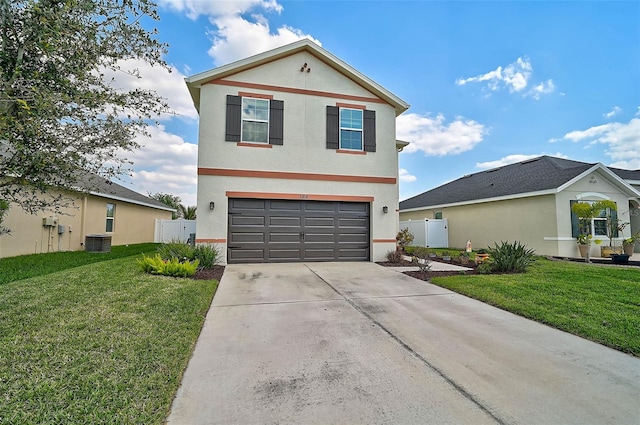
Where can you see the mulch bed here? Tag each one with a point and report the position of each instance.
(215, 272)
(429, 274)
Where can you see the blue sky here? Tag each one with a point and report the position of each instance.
(489, 83)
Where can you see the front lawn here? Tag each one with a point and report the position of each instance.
(25, 266)
(600, 303)
(99, 343)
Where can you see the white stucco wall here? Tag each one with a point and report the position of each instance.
(304, 149)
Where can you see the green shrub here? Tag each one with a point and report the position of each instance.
(484, 268)
(172, 267)
(404, 238)
(421, 258)
(207, 255)
(511, 257)
(176, 249)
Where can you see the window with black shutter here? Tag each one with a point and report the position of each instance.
(351, 129)
(254, 120)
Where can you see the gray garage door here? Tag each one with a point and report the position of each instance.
(265, 230)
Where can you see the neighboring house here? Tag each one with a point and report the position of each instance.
(107, 209)
(297, 158)
(530, 202)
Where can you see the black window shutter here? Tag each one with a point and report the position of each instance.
(575, 222)
(276, 122)
(234, 118)
(333, 127)
(369, 131)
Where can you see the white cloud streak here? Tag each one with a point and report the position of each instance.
(622, 140)
(614, 111)
(405, 176)
(435, 137)
(514, 77)
(512, 159)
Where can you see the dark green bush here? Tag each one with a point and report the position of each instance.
(511, 257)
(176, 249)
(207, 255)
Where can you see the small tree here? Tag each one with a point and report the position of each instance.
(404, 238)
(586, 212)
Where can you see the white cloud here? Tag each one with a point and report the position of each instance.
(434, 136)
(164, 163)
(169, 85)
(405, 176)
(240, 28)
(515, 77)
(194, 8)
(544, 87)
(512, 159)
(237, 38)
(615, 111)
(622, 140)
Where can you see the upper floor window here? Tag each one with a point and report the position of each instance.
(351, 129)
(255, 120)
(111, 214)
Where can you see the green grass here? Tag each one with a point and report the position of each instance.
(100, 343)
(599, 303)
(26, 266)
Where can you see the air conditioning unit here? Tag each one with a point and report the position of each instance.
(97, 243)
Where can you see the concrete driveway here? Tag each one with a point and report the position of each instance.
(357, 343)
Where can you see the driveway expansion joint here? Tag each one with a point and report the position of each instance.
(414, 353)
(280, 302)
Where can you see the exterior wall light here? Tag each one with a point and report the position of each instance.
(212, 205)
(385, 209)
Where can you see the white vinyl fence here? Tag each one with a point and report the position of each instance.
(433, 233)
(173, 230)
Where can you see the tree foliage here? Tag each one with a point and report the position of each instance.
(587, 211)
(188, 213)
(61, 115)
(172, 201)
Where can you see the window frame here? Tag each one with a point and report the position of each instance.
(341, 128)
(244, 119)
(110, 219)
(592, 223)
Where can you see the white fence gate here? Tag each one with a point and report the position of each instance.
(433, 233)
(172, 230)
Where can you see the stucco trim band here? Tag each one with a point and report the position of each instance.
(385, 241)
(222, 240)
(298, 196)
(281, 89)
(202, 171)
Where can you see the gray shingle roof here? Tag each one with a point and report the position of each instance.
(100, 185)
(538, 174)
(626, 174)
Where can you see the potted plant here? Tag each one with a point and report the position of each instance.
(629, 243)
(446, 256)
(481, 256)
(583, 244)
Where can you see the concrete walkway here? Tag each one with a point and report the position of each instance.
(356, 343)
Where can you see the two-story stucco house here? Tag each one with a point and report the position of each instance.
(297, 158)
